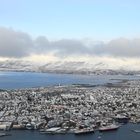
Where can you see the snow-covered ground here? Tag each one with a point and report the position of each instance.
(64, 67)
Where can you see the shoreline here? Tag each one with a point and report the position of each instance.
(103, 72)
(69, 107)
(131, 127)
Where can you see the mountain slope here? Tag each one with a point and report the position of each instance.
(64, 67)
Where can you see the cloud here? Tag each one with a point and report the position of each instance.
(120, 48)
(17, 44)
(41, 45)
(67, 47)
(14, 44)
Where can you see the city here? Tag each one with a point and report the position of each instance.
(70, 109)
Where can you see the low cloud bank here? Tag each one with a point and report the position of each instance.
(17, 44)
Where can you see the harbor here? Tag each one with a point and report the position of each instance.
(122, 133)
(72, 111)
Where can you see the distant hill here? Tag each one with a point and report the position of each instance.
(64, 67)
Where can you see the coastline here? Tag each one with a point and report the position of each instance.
(97, 107)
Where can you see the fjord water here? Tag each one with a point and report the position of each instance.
(14, 80)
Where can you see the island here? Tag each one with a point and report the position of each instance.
(70, 109)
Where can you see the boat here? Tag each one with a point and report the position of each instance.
(109, 128)
(29, 126)
(83, 131)
(122, 119)
(53, 130)
(136, 131)
(2, 134)
(99, 137)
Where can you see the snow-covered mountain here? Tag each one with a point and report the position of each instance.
(16, 65)
(63, 67)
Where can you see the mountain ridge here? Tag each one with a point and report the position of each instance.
(78, 67)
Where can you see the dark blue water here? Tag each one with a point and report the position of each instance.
(124, 133)
(12, 80)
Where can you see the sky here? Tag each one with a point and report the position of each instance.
(56, 19)
(65, 29)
